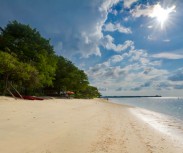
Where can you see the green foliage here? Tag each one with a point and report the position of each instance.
(7, 63)
(68, 76)
(28, 60)
(88, 92)
(12, 69)
(29, 47)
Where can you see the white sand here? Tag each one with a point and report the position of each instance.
(76, 126)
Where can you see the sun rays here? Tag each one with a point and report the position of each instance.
(161, 14)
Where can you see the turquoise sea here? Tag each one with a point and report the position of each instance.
(162, 113)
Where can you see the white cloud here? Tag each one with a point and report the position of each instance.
(158, 10)
(106, 4)
(127, 78)
(102, 89)
(108, 43)
(167, 40)
(115, 12)
(150, 27)
(126, 19)
(128, 3)
(142, 10)
(152, 11)
(155, 63)
(177, 75)
(116, 58)
(135, 73)
(101, 72)
(81, 31)
(139, 56)
(166, 55)
(116, 27)
(151, 37)
(64, 22)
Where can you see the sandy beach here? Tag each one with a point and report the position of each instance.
(77, 126)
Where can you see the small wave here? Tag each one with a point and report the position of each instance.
(166, 124)
(166, 105)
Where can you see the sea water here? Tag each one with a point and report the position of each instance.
(162, 113)
(172, 106)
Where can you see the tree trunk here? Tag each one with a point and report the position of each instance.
(6, 84)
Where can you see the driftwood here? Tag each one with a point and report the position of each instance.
(16, 91)
(11, 93)
(8, 85)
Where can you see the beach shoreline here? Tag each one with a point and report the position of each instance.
(77, 125)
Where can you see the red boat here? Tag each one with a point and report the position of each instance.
(32, 98)
(28, 97)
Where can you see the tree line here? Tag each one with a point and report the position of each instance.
(28, 61)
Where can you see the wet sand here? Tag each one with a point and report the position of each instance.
(77, 126)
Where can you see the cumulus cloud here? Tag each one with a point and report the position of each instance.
(151, 11)
(141, 68)
(150, 27)
(142, 86)
(164, 85)
(139, 73)
(117, 27)
(166, 40)
(119, 89)
(136, 72)
(115, 12)
(166, 55)
(151, 37)
(138, 55)
(100, 71)
(128, 3)
(142, 10)
(108, 43)
(115, 59)
(102, 89)
(133, 68)
(179, 86)
(106, 4)
(177, 75)
(168, 85)
(77, 25)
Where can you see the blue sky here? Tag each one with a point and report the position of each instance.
(126, 47)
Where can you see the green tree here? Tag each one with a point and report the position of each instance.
(88, 92)
(68, 76)
(28, 59)
(13, 70)
(31, 48)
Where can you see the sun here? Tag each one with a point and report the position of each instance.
(161, 14)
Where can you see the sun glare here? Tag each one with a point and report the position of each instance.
(161, 14)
